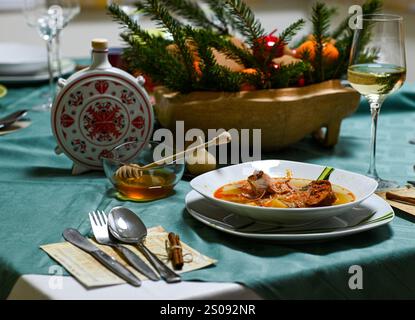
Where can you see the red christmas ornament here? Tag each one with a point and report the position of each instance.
(301, 82)
(276, 66)
(265, 47)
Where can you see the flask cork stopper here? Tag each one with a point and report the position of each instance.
(100, 44)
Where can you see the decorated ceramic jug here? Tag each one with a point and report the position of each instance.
(99, 108)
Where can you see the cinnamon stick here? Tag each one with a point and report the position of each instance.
(176, 251)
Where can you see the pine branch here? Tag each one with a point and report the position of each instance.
(122, 18)
(140, 56)
(218, 8)
(158, 13)
(321, 19)
(245, 21)
(214, 77)
(226, 46)
(291, 31)
(143, 47)
(192, 12)
(221, 14)
(289, 75)
(321, 23)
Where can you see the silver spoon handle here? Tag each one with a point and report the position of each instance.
(165, 272)
(137, 263)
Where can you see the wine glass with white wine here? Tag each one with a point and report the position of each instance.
(377, 68)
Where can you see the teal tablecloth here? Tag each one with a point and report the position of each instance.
(39, 198)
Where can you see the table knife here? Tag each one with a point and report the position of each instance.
(73, 236)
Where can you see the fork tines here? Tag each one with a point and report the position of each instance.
(98, 218)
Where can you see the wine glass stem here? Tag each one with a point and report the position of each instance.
(49, 44)
(58, 53)
(374, 110)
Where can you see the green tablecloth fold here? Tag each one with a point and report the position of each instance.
(39, 198)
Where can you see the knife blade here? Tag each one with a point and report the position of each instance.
(73, 236)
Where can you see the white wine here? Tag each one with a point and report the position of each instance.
(376, 79)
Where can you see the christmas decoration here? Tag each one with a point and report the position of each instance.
(268, 47)
(200, 53)
(307, 51)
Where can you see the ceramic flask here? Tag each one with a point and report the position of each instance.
(99, 108)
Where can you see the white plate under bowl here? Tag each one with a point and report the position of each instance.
(206, 184)
(68, 66)
(213, 216)
(18, 59)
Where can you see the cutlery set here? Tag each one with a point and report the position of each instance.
(12, 118)
(121, 226)
(99, 223)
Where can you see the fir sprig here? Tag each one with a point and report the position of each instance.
(289, 75)
(236, 53)
(159, 13)
(321, 23)
(192, 12)
(245, 21)
(221, 14)
(140, 57)
(143, 46)
(213, 76)
(127, 23)
(287, 35)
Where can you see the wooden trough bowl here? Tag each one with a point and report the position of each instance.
(284, 116)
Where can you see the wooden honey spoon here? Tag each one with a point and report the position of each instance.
(132, 170)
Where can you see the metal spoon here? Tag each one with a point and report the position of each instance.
(127, 227)
(12, 118)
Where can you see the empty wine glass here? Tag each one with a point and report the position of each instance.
(378, 68)
(47, 17)
(70, 10)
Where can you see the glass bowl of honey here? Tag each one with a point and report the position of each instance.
(136, 179)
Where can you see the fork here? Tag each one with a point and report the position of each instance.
(99, 224)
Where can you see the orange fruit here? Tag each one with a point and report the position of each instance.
(196, 66)
(249, 71)
(308, 48)
(330, 52)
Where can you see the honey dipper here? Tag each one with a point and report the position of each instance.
(132, 170)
